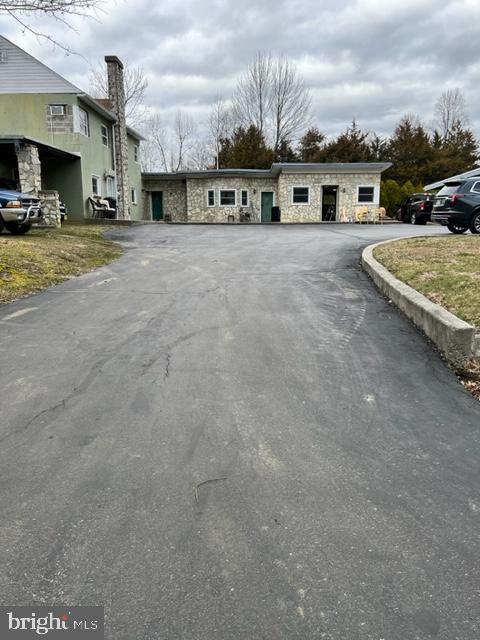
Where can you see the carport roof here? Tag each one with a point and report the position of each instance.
(51, 149)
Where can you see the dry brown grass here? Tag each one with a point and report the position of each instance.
(445, 269)
(45, 257)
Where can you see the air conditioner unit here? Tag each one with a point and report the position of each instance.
(57, 109)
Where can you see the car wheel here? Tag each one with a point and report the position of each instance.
(456, 228)
(17, 229)
(475, 223)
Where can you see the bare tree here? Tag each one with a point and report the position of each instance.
(200, 156)
(136, 85)
(23, 11)
(219, 125)
(154, 150)
(251, 100)
(183, 134)
(451, 112)
(290, 102)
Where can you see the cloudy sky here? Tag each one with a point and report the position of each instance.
(370, 60)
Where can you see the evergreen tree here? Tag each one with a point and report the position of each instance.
(351, 146)
(246, 149)
(311, 145)
(411, 151)
(285, 152)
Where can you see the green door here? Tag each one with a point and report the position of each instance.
(267, 204)
(157, 205)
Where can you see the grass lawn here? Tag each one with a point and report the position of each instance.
(446, 270)
(45, 257)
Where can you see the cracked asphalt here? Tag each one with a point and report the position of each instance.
(228, 434)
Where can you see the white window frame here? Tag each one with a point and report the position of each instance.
(473, 189)
(242, 191)
(106, 136)
(301, 186)
(111, 187)
(209, 191)
(374, 196)
(136, 153)
(51, 108)
(133, 196)
(84, 131)
(220, 191)
(99, 185)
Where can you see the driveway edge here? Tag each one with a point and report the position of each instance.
(454, 337)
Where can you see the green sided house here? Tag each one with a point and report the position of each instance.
(290, 193)
(56, 138)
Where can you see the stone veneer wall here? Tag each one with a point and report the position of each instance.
(347, 194)
(174, 198)
(29, 169)
(197, 189)
(50, 203)
(116, 94)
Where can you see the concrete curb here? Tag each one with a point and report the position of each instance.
(455, 338)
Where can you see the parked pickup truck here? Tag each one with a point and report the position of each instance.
(18, 211)
(457, 206)
(416, 209)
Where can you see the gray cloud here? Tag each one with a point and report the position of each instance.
(361, 58)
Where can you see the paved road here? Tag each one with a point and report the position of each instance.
(229, 435)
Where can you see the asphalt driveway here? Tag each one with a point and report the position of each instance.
(228, 434)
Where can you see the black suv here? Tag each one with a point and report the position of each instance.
(415, 209)
(457, 205)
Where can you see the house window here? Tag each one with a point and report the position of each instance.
(104, 131)
(366, 195)
(211, 198)
(244, 198)
(134, 196)
(301, 195)
(96, 185)
(57, 109)
(228, 198)
(111, 187)
(135, 153)
(83, 122)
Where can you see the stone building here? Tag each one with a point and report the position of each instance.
(55, 137)
(289, 193)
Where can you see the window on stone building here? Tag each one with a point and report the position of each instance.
(366, 195)
(211, 198)
(136, 153)
(301, 195)
(134, 196)
(244, 198)
(104, 131)
(228, 197)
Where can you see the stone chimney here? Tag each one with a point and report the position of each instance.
(116, 95)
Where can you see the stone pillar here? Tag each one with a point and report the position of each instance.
(29, 169)
(116, 94)
(50, 204)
